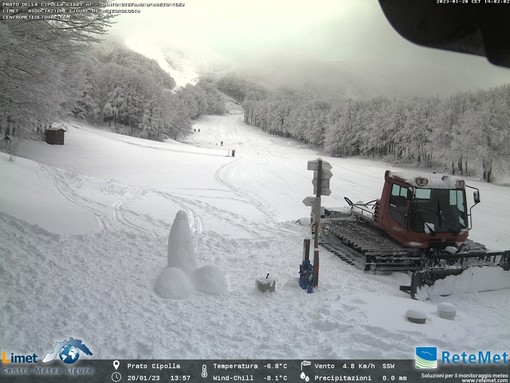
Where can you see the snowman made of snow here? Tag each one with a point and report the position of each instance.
(182, 275)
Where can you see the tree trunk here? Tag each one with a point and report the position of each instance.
(487, 171)
(459, 164)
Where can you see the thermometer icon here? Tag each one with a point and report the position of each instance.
(204, 371)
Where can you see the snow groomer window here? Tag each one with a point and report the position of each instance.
(398, 204)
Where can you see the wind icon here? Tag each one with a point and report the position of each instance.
(303, 376)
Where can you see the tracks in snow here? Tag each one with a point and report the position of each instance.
(107, 215)
(61, 180)
(223, 174)
(114, 208)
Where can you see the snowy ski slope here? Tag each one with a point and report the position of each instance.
(84, 230)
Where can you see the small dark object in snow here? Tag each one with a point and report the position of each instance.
(416, 316)
(55, 136)
(266, 284)
(446, 310)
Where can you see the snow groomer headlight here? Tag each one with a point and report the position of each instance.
(421, 181)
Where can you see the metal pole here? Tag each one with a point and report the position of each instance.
(306, 249)
(317, 224)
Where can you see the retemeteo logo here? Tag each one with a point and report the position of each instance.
(481, 357)
(426, 358)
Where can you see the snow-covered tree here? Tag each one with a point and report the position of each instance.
(487, 124)
(36, 56)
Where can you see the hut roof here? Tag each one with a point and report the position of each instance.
(57, 126)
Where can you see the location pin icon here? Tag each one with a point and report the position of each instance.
(116, 364)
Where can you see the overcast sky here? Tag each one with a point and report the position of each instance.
(240, 32)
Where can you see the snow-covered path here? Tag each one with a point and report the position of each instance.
(84, 230)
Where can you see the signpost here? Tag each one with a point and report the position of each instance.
(321, 176)
(309, 201)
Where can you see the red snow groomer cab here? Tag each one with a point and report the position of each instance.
(419, 224)
(424, 212)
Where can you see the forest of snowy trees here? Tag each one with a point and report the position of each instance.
(136, 97)
(54, 69)
(466, 133)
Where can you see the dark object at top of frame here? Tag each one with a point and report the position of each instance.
(467, 26)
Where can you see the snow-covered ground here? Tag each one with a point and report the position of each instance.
(84, 233)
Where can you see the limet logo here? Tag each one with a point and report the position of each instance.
(14, 358)
(426, 358)
(68, 351)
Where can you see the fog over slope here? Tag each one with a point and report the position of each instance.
(347, 48)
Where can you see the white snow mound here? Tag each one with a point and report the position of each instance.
(173, 283)
(209, 279)
(181, 253)
(472, 280)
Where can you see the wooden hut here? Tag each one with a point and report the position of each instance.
(55, 136)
